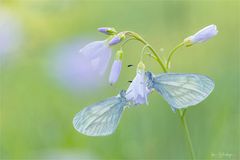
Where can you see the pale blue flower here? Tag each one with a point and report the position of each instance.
(137, 92)
(115, 71)
(202, 35)
(98, 54)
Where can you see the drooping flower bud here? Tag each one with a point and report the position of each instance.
(116, 67)
(116, 39)
(107, 30)
(202, 35)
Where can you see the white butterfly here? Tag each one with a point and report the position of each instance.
(102, 118)
(179, 90)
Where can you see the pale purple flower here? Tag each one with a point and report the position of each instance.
(72, 70)
(107, 30)
(115, 71)
(202, 35)
(137, 92)
(98, 54)
(11, 35)
(115, 40)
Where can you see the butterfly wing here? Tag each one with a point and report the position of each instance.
(183, 90)
(100, 119)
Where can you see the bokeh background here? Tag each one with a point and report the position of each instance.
(41, 87)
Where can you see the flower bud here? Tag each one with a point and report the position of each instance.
(116, 67)
(107, 30)
(202, 35)
(116, 39)
(141, 66)
(119, 55)
(115, 71)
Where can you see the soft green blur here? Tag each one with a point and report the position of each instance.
(36, 112)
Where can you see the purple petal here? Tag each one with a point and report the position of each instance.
(115, 71)
(205, 34)
(107, 30)
(11, 35)
(202, 35)
(137, 91)
(75, 71)
(104, 30)
(98, 54)
(104, 60)
(91, 50)
(115, 40)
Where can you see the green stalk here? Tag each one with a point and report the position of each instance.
(165, 69)
(187, 134)
(139, 38)
(182, 113)
(172, 53)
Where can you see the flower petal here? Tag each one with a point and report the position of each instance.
(105, 56)
(205, 34)
(99, 54)
(115, 40)
(202, 35)
(91, 50)
(115, 71)
(137, 91)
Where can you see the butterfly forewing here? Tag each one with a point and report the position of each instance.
(183, 90)
(101, 118)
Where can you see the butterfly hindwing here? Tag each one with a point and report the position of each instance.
(100, 119)
(183, 90)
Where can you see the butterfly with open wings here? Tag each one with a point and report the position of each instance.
(179, 90)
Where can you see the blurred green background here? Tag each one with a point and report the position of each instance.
(37, 111)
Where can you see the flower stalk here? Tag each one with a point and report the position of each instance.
(139, 38)
(172, 53)
(187, 134)
(165, 69)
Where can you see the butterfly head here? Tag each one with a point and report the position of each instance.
(122, 93)
(149, 79)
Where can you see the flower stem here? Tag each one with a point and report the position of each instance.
(172, 53)
(187, 134)
(165, 69)
(143, 49)
(139, 38)
(125, 42)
